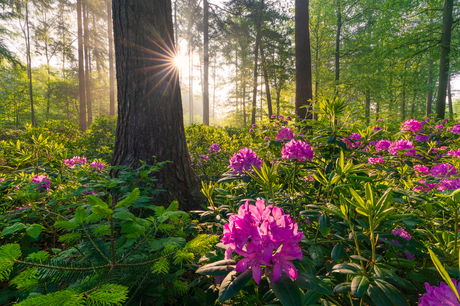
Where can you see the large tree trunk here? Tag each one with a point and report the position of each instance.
(258, 24)
(429, 95)
(87, 63)
(267, 85)
(304, 93)
(150, 125)
(206, 64)
(111, 72)
(444, 60)
(81, 71)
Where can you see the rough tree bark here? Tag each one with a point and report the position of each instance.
(304, 92)
(111, 72)
(81, 70)
(447, 20)
(267, 85)
(87, 64)
(149, 101)
(429, 95)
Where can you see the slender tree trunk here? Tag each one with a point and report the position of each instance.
(214, 89)
(403, 104)
(267, 85)
(87, 63)
(368, 106)
(449, 98)
(377, 110)
(206, 64)
(244, 103)
(29, 66)
(278, 97)
(111, 70)
(317, 65)
(412, 109)
(444, 60)
(150, 119)
(337, 46)
(81, 69)
(258, 24)
(236, 83)
(190, 81)
(303, 60)
(429, 96)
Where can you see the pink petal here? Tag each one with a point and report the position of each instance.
(242, 265)
(257, 273)
(277, 271)
(290, 269)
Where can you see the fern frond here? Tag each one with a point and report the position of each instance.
(161, 266)
(183, 257)
(26, 279)
(9, 253)
(202, 244)
(166, 227)
(180, 287)
(59, 298)
(173, 207)
(70, 238)
(65, 225)
(108, 295)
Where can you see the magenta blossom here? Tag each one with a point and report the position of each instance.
(251, 130)
(267, 138)
(402, 144)
(43, 179)
(412, 125)
(280, 117)
(454, 153)
(376, 160)
(214, 148)
(256, 232)
(273, 117)
(97, 165)
(299, 150)
(382, 145)
(455, 129)
(401, 233)
(205, 157)
(438, 127)
(244, 160)
(422, 138)
(443, 170)
(377, 128)
(448, 184)
(355, 136)
(284, 133)
(423, 186)
(441, 295)
(254, 125)
(421, 169)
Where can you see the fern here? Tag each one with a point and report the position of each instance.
(183, 257)
(59, 298)
(202, 244)
(26, 280)
(180, 287)
(161, 266)
(9, 253)
(108, 295)
(70, 238)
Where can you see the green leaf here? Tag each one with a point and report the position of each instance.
(324, 225)
(377, 296)
(169, 214)
(101, 211)
(34, 230)
(316, 255)
(133, 196)
(286, 290)
(347, 268)
(12, 229)
(233, 283)
(158, 244)
(343, 287)
(311, 282)
(311, 297)
(445, 276)
(93, 200)
(338, 252)
(392, 293)
(109, 294)
(124, 215)
(215, 270)
(80, 215)
(359, 285)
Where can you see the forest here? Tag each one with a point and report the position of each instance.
(229, 152)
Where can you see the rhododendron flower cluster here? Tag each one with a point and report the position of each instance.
(43, 179)
(376, 160)
(438, 127)
(284, 133)
(214, 148)
(455, 129)
(454, 153)
(257, 232)
(422, 169)
(440, 295)
(412, 126)
(244, 160)
(377, 128)
(402, 144)
(72, 162)
(424, 186)
(443, 170)
(97, 165)
(422, 138)
(299, 150)
(402, 233)
(382, 145)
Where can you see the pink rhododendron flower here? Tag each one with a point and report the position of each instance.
(355, 136)
(297, 150)
(214, 148)
(376, 160)
(455, 129)
(244, 160)
(423, 186)
(454, 153)
(97, 165)
(448, 184)
(443, 170)
(402, 144)
(284, 133)
(382, 145)
(401, 233)
(280, 117)
(422, 138)
(438, 127)
(251, 130)
(267, 138)
(422, 169)
(76, 160)
(256, 232)
(441, 295)
(205, 157)
(377, 128)
(412, 125)
(43, 179)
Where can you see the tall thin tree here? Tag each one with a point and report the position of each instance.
(81, 69)
(111, 72)
(206, 63)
